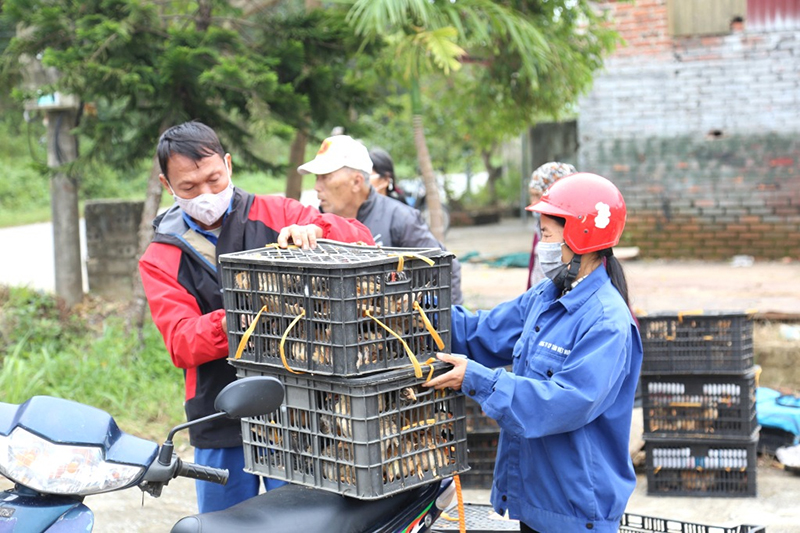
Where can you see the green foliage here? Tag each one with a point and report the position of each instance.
(87, 355)
(21, 150)
(520, 60)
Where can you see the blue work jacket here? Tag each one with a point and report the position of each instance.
(565, 409)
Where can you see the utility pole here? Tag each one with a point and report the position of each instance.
(62, 149)
(60, 115)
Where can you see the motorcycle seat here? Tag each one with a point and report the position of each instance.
(299, 508)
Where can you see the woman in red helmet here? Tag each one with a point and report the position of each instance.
(565, 408)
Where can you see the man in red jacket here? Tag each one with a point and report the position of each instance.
(179, 273)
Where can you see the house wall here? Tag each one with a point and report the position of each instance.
(700, 134)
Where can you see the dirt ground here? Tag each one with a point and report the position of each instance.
(655, 286)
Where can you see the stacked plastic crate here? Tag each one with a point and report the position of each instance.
(351, 332)
(483, 435)
(698, 386)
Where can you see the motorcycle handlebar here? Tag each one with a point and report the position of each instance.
(203, 473)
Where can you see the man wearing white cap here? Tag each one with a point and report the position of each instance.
(342, 166)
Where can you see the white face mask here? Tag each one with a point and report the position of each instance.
(550, 258)
(206, 208)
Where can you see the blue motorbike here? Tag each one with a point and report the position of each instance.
(57, 452)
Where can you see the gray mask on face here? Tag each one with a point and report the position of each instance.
(550, 258)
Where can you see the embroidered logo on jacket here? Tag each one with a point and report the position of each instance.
(554, 347)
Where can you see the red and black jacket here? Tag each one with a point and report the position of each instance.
(179, 274)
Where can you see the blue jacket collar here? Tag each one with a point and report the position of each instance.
(575, 298)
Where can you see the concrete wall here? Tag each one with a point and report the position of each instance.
(700, 134)
(111, 246)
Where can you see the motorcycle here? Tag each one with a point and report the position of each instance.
(58, 451)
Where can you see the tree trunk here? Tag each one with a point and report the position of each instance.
(495, 173)
(432, 199)
(149, 211)
(203, 18)
(62, 148)
(297, 155)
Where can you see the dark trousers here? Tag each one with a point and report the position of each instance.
(525, 529)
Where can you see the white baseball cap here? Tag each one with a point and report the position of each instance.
(337, 152)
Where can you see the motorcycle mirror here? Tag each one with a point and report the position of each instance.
(250, 396)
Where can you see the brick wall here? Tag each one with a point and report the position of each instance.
(700, 134)
(709, 199)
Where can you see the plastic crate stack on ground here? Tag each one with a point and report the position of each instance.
(698, 386)
(351, 332)
(482, 438)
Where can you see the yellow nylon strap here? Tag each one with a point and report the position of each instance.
(283, 341)
(249, 331)
(278, 248)
(435, 334)
(410, 255)
(461, 519)
(429, 363)
(417, 367)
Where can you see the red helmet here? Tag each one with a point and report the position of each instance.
(593, 208)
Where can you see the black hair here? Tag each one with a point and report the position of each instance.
(616, 273)
(614, 268)
(382, 163)
(192, 139)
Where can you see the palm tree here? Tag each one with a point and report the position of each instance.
(426, 37)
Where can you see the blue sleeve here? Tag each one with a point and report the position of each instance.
(488, 337)
(534, 405)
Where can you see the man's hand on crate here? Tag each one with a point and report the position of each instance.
(304, 237)
(451, 379)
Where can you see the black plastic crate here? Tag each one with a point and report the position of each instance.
(770, 439)
(340, 309)
(697, 343)
(481, 455)
(481, 518)
(633, 523)
(701, 467)
(699, 405)
(479, 421)
(366, 437)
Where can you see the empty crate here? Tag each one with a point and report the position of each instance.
(366, 437)
(632, 523)
(703, 343)
(340, 309)
(699, 405)
(701, 467)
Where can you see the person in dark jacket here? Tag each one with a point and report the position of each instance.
(382, 177)
(565, 408)
(179, 273)
(343, 166)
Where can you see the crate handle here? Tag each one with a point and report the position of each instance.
(283, 341)
(417, 367)
(435, 334)
(247, 333)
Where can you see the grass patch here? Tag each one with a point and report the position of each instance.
(88, 355)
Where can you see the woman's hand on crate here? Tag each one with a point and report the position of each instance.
(451, 379)
(304, 237)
